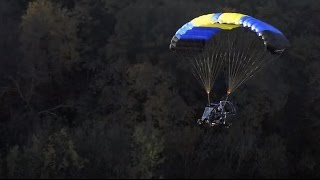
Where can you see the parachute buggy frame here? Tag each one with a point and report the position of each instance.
(215, 114)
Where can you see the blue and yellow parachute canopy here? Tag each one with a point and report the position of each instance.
(205, 27)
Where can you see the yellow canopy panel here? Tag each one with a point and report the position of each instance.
(230, 18)
(208, 21)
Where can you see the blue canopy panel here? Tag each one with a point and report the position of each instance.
(257, 25)
(199, 33)
(274, 39)
(184, 29)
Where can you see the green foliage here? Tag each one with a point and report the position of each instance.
(60, 157)
(271, 159)
(106, 146)
(89, 89)
(147, 152)
(51, 157)
(48, 38)
(13, 161)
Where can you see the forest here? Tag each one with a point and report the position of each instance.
(90, 89)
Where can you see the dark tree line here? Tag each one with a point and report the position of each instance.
(89, 89)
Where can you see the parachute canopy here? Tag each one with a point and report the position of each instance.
(237, 43)
(195, 33)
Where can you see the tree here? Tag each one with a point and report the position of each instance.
(147, 152)
(60, 157)
(106, 146)
(50, 157)
(49, 37)
(271, 159)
